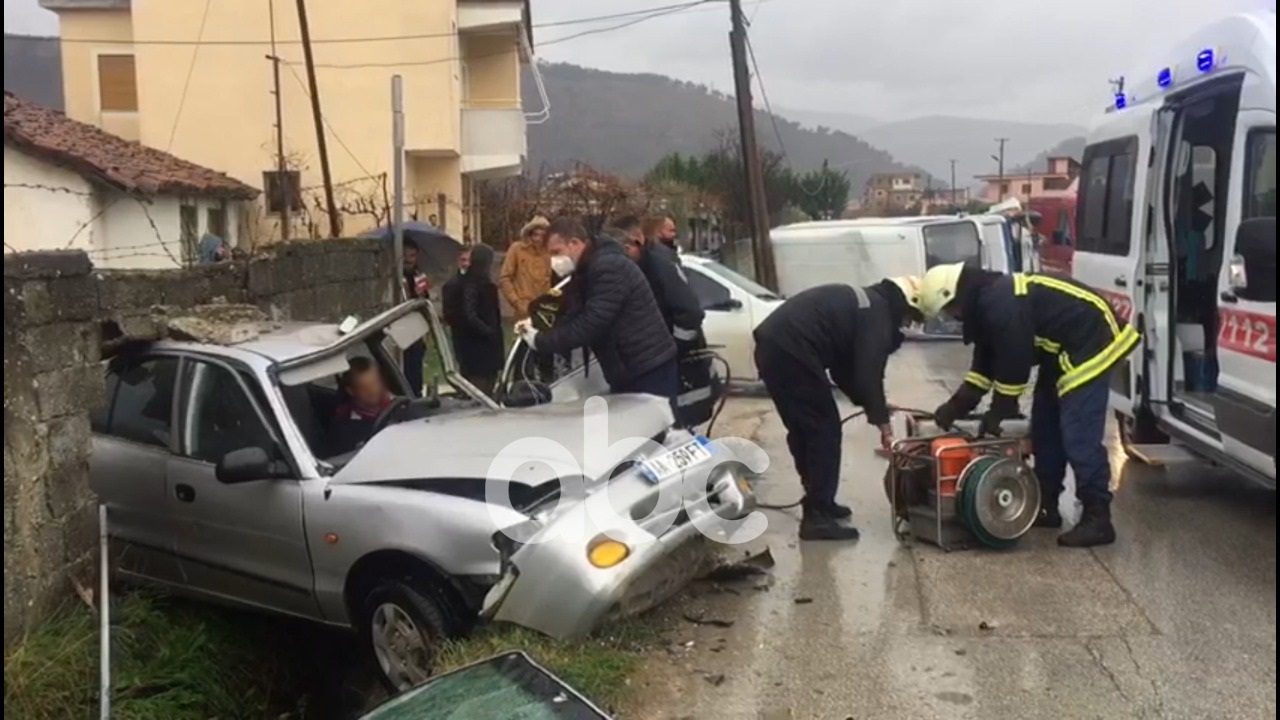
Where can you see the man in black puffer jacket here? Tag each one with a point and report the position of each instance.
(848, 334)
(616, 315)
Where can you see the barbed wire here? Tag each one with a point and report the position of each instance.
(143, 204)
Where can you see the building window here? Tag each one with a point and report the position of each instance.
(1026, 189)
(217, 222)
(117, 83)
(1004, 189)
(189, 232)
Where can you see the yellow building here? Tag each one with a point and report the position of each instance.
(195, 78)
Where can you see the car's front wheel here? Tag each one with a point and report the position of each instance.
(404, 627)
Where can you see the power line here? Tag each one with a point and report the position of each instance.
(773, 119)
(186, 85)
(329, 125)
(651, 15)
(764, 95)
(387, 38)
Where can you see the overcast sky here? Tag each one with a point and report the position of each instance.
(1036, 60)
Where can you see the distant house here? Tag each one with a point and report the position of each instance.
(69, 185)
(1058, 179)
(888, 192)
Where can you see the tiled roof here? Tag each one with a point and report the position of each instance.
(100, 156)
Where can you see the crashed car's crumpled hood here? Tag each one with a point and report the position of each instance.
(465, 444)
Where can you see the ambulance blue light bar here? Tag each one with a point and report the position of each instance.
(1165, 78)
(1121, 101)
(1206, 60)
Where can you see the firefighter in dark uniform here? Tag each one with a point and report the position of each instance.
(1072, 334)
(824, 334)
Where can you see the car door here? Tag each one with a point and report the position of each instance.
(728, 323)
(1109, 251)
(243, 542)
(132, 440)
(1245, 400)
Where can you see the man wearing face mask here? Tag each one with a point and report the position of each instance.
(615, 315)
(847, 333)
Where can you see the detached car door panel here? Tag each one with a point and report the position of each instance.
(242, 541)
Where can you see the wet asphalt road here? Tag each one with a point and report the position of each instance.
(1177, 620)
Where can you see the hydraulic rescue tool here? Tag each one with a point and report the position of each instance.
(958, 491)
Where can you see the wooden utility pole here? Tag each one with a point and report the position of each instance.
(762, 249)
(999, 162)
(283, 187)
(335, 222)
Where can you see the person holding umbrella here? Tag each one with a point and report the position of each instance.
(416, 286)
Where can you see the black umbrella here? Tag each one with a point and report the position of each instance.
(438, 251)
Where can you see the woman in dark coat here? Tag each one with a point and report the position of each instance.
(477, 324)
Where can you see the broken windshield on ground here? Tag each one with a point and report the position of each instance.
(508, 687)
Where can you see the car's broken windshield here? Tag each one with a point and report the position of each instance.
(509, 687)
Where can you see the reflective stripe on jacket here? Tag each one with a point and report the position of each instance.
(1019, 321)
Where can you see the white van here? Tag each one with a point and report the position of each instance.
(865, 251)
(1176, 226)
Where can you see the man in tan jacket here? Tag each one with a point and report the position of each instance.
(526, 270)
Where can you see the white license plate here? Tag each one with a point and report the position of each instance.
(676, 461)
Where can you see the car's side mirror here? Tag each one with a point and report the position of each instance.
(1253, 268)
(249, 464)
(726, 305)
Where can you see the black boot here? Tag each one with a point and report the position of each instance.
(1094, 528)
(840, 512)
(820, 524)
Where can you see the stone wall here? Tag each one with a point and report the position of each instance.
(58, 313)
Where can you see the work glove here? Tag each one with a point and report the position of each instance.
(990, 425)
(1002, 408)
(526, 332)
(960, 404)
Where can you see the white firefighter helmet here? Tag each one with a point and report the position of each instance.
(938, 288)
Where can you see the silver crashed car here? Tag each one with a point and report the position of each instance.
(215, 464)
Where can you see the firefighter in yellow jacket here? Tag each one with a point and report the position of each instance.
(1068, 331)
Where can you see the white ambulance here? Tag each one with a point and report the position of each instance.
(1176, 226)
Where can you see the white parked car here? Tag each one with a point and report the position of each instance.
(734, 305)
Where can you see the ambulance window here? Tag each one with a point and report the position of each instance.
(1260, 199)
(1094, 208)
(1120, 204)
(1106, 207)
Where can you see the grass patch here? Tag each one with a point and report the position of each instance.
(170, 661)
(176, 660)
(597, 667)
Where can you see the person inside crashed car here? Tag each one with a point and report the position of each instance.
(367, 396)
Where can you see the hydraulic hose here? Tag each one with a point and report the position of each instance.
(843, 421)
